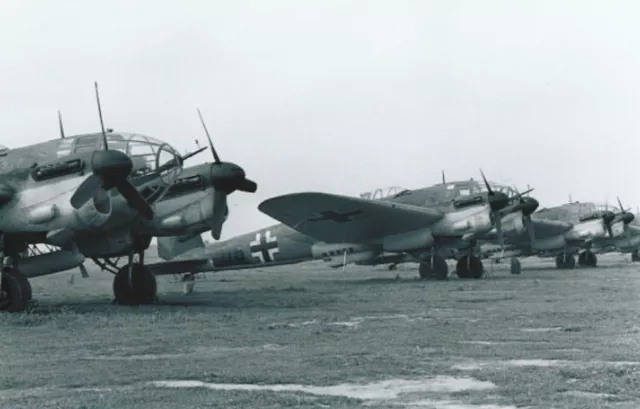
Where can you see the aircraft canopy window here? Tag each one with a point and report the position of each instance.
(87, 143)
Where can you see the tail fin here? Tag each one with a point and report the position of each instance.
(174, 246)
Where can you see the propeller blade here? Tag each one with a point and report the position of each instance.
(134, 199)
(498, 223)
(104, 134)
(219, 210)
(206, 131)
(61, 127)
(530, 231)
(608, 227)
(486, 183)
(87, 189)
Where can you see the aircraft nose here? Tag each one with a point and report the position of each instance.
(111, 164)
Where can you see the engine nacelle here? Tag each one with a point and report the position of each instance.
(93, 214)
(475, 223)
(587, 230)
(337, 254)
(512, 224)
(193, 218)
(617, 228)
(107, 245)
(49, 263)
(412, 240)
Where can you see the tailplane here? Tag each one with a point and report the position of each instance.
(174, 246)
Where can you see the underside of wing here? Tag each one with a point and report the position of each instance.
(180, 267)
(206, 266)
(343, 219)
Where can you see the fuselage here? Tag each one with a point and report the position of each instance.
(279, 244)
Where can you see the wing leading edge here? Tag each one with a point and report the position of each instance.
(343, 219)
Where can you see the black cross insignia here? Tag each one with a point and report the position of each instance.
(263, 247)
(335, 216)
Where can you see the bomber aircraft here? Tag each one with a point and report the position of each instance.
(85, 194)
(564, 230)
(467, 210)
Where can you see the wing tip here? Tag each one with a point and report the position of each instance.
(266, 204)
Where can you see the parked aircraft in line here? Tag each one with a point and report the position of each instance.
(459, 212)
(84, 194)
(565, 230)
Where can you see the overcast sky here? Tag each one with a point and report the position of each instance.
(343, 96)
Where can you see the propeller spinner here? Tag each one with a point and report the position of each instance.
(110, 169)
(227, 177)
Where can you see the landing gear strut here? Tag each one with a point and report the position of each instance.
(587, 259)
(565, 261)
(635, 257)
(135, 284)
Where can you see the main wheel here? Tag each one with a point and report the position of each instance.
(12, 297)
(470, 267)
(565, 261)
(434, 268)
(138, 288)
(635, 257)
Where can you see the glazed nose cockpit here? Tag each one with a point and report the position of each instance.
(156, 164)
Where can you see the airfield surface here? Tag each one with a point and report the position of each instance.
(307, 336)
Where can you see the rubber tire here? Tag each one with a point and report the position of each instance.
(142, 289)
(567, 263)
(12, 284)
(440, 270)
(26, 286)
(516, 267)
(470, 267)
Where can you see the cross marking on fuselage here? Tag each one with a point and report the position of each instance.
(335, 216)
(264, 247)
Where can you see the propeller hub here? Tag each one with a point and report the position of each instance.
(226, 176)
(111, 165)
(529, 205)
(627, 217)
(498, 201)
(608, 216)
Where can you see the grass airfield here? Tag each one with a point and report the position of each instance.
(307, 336)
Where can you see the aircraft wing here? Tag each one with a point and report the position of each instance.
(343, 219)
(549, 228)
